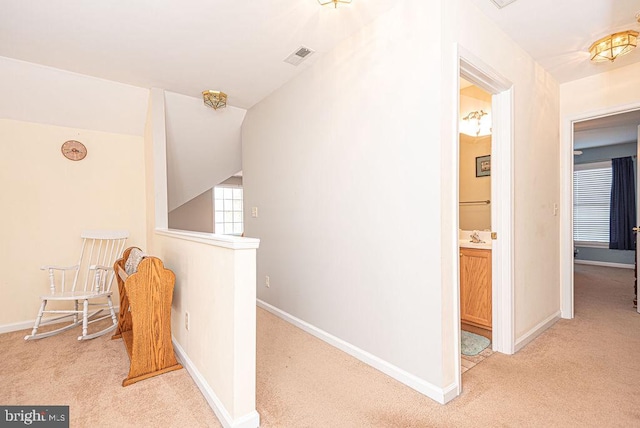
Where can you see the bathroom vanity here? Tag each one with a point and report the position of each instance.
(475, 283)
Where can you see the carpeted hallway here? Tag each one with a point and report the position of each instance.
(582, 372)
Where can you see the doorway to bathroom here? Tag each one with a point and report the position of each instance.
(498, 166)
(474, 217)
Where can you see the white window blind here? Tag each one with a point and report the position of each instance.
(591, 199)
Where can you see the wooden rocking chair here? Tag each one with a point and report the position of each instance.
(90, 280)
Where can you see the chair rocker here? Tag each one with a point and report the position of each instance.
(89, 282)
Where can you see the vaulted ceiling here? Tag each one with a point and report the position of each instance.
(238, 46)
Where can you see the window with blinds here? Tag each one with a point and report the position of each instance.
(591, 198)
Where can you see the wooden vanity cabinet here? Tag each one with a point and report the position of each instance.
(475, 287)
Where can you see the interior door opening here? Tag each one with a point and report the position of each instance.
(596, 142)
(499, 267)
(474, 214)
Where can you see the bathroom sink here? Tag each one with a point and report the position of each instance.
(464, 239)
(465, 243)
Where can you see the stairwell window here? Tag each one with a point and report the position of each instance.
(228, 210)
(591, 203)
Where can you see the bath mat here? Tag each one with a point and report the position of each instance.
(473, 344)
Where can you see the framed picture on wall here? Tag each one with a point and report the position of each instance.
(483, 166)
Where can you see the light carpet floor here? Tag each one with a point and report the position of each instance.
(579, 373)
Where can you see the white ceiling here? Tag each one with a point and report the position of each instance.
(237, 46)
(558, 33)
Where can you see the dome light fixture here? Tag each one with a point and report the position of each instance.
(611, 47)
(214, 99)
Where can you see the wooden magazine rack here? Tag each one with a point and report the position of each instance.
(145, 317)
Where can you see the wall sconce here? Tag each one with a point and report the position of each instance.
(214, 99)
(480, 127)
(335, 2)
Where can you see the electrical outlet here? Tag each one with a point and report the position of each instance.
(186, 321)
(266, 281)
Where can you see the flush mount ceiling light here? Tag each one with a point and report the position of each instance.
(334, 2)
(214, 99)
(611, 47)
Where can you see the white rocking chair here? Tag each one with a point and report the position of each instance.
(90, 279)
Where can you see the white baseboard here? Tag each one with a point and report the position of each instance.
(607, 264)
(536, 331)
(441, 395)
(251, 420)
(16, 326)
(451, 392)
(23, 325)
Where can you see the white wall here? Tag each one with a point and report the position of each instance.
(603, 93)
(535, 167)
(35, 93)
(195, 215)
(203, 146)
(350, 167)
(343, 165)
(600, 92)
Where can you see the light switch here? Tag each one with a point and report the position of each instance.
(254, 211)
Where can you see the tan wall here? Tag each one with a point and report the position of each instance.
(195, 215)
(472, 188)
(48, 200)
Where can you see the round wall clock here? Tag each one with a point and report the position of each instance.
(74, 150)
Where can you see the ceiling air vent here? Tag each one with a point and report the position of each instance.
(502, 3)
(299, 55)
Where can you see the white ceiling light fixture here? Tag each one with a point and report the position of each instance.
(502, 3)
(334, 2)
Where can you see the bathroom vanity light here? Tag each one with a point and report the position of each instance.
(334, 2)
(473, 124)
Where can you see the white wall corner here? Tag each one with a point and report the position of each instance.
(159, 137)
(536, 331)
(441, 395)
(250, 420)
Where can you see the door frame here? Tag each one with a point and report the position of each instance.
(566, 200)
(503, 304)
